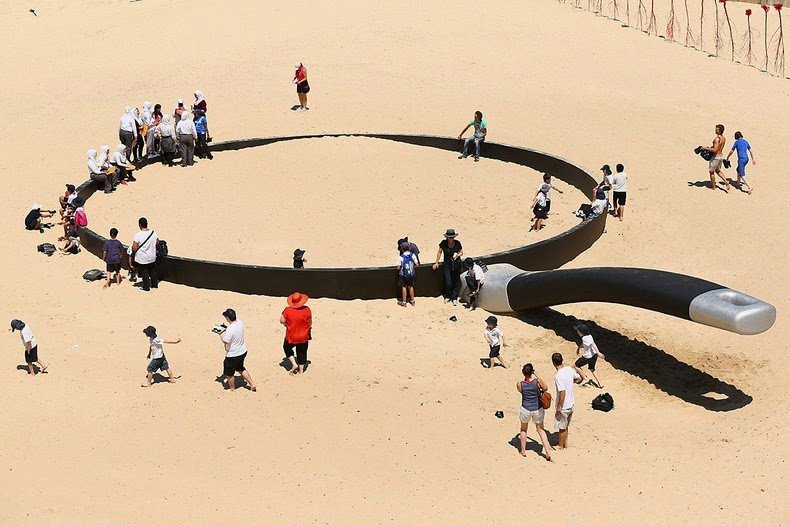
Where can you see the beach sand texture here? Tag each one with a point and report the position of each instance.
(394, 422)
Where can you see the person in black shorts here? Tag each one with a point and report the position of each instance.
(31, 346)
(619, 189)
(299, 258)
(111, 254)
(33, 218)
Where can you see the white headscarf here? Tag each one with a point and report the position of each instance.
(121, 148)
(147, 105)
(198, 97)
(104, 155)
(91, 154)
(127, 109)
(93, 167)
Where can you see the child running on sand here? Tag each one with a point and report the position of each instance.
(156, 354)
(31, 346)
(496, 340)
(590, 355)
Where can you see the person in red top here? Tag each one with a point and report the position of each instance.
(302, 87)
(298, 321)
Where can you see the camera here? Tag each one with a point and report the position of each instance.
(219, 328)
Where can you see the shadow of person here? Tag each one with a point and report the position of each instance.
(532, 444)
(295, 107)
(635, 357)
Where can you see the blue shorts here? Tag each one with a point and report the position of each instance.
(158, 364)
(741, 169)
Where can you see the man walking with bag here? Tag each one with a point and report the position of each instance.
(144, 255)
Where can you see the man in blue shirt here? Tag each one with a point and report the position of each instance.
(744, 150)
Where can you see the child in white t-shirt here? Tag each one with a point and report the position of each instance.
(31, 346)
(589, 355)
(156, 353)
(496, 340)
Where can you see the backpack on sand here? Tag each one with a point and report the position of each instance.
(47, 248)
(93, 275)
(603, 402)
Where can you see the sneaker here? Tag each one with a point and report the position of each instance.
(455, 302)
(477, 159)
(463, 156)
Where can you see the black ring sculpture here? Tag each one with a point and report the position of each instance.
(373, 282)
(512, 283)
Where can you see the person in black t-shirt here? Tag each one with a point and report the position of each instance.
(299, 258)
(33, 218)
(451, 251)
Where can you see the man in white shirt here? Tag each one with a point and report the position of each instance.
(128, 130)
(187, 135)
(144, 255)
(564, 379)
(31, 346)
(235, 351)
(618, 191)
(474, 280)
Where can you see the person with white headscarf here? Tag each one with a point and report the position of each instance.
(302, 87)
(128, 130)
(200, 102)
(167, 143)
(121, 162)
(187, 135)
(97, 174)
(103, 161)
(137, 151)
(147, 117)
(180, 109)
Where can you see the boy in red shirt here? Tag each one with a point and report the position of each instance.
(298, 321)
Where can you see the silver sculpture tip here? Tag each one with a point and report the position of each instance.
(732, 311)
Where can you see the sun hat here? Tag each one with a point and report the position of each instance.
(469, 262)
(297, 299)
(299, 252)
(230, 314)
(450, 233)
(582, 328)
(150, 331)
(404, 245)
(492, 320)
(545, 187)
(17, 325)
(36, 206)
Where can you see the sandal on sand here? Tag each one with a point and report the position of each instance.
(401, 303)
(411, 302)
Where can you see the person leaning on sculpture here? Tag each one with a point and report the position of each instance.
(451, 252)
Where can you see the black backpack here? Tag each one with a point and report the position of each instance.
(603, 402)
(161, 248)
(47, 248)
(93, 275)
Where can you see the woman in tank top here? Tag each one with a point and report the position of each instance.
(530, 388)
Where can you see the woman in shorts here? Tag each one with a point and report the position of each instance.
(530, 388)
(302, 87)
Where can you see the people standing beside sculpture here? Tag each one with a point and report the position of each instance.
(144, 254)
(407, 274)
(127, 132)
(450, 251)
(619, 189)
(167, 142)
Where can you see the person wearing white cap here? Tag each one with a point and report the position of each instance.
(97, 174)
(187, 135)
(302, 86)
(179, 110)
(33, 218)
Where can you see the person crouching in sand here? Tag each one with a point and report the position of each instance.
(156, 353)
